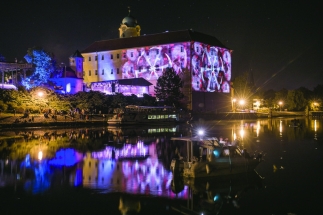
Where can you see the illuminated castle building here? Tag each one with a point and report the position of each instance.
(132, 64)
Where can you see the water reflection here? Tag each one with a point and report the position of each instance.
(210, 195)
(136, 161)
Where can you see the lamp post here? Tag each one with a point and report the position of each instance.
(64, 76)
(280, 105)
(234, 105)
(242, 103)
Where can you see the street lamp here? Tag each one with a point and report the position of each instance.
(280, 105)
(64, 76)
(242, 102)
(40, 94)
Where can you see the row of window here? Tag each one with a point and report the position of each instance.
(102, 73)
(172, 116)
(102, 57)
(131, 54)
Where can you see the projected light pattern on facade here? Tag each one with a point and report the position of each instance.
(209, 67)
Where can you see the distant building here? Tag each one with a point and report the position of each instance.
(69, 79)
(201, 60)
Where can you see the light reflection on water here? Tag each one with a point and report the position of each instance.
(136, 160)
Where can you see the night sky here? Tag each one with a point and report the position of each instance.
(280, 41)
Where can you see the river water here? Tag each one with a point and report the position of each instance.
(108, 170)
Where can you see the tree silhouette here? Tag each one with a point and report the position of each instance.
(168, 88)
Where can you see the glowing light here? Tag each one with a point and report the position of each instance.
(68, 88)
(216, 198)
(40, 155)
(40, 93)
(242, 102)
(200, 132)
(242, 132)
(216, 153)
(258, 128)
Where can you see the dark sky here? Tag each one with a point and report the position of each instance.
(280, 41)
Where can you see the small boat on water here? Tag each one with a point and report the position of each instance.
(207, 157)
(133, 114)
(295, 123)
(215, 195)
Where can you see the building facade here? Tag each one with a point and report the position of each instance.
(202, 61)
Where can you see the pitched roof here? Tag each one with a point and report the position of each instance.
(134, 82)
(77, 53)
(153, 39)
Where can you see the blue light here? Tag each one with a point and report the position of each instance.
(216, 153)
(65, 157)
(216, 198)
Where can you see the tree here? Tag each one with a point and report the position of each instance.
(296, 100)
(269, 97)
(43, 67)
(168, 88)
(280, 96)
(242, 87)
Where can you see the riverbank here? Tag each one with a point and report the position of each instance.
(245, 116)
(8, 121)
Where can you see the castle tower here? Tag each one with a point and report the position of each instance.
(76, 63)
(129, 27)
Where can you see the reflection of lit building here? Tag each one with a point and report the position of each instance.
(131, 175)
(202, 61)
(90, 170)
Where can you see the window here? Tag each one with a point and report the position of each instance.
(118, 56)
(182, 48)
(117, 70)
(111, 71)
(83, 73)
(96, 72)
(89, 72)
(102, 71)
(131, 54)
(96, 58)
(89, 58)
(73, 61)
(102, 57)
(111, 56)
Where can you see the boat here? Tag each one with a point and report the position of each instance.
(133, 114)
(207, 157)
(295, 123)
(214, 195)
